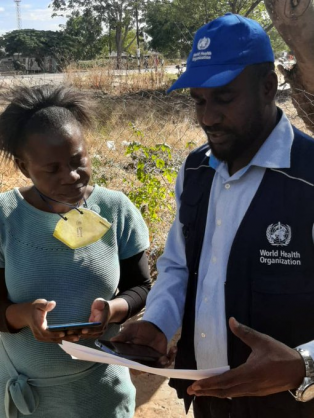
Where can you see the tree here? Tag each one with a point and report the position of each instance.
(167, 33)
(172, 24)
(38, 44)
(118, 15)
(294, 20)
(87, 33)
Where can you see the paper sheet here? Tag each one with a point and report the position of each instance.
(91, 354)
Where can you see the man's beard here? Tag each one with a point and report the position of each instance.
(236, 149)
(240, 142)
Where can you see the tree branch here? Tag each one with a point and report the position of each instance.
(269, 27)
(253, 6)
(130, 43)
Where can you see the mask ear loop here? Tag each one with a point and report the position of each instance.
(44, 197)
(47, 203)
(77, 206)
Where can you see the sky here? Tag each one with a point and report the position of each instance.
(35, 14)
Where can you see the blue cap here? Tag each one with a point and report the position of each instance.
(222, 49)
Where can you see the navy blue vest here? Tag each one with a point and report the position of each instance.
(270, 272)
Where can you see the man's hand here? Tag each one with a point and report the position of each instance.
(271, 367)
(146, 333)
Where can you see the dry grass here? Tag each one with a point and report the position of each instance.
(10, 177)
(149, 118)
(116, 82)
(131, 113)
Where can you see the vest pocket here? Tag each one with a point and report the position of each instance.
(190, 199)
(283, 307)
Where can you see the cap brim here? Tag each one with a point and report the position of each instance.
(200, 77)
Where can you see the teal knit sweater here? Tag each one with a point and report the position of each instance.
(37, 265)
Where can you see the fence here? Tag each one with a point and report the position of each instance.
(141, 138)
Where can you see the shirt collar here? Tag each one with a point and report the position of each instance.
(275, 151)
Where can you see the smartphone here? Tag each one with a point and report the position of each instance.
(141, 353)
(73, 325)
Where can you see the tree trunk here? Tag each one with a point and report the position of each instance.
(119, 44)
(294, 20)
(119, 32)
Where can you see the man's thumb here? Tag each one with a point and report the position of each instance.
(246, 334)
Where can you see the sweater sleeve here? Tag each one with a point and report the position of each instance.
(132, 232)
(4, 301)
(135, 282)
(4, 304)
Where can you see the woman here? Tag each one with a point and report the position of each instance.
(48, 276)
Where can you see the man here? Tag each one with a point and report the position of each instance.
(241, 245)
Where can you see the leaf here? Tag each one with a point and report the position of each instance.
(160, 163)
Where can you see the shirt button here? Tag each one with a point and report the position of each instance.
(203, 335)
(205, 299)
(227, 186)
(219, 222)
(214, 259)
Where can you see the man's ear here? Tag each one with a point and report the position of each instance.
(20, 163)
(270, 86)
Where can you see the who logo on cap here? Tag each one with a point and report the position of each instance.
(203, 43)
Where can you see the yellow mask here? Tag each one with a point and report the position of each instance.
(81, 227)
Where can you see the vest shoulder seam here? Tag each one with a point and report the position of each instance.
(292, 177)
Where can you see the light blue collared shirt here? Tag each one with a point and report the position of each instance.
(229, 200)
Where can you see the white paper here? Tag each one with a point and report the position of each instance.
(90, 354)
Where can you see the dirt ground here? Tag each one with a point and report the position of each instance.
(155, 399)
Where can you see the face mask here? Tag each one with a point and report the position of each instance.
(81, 227)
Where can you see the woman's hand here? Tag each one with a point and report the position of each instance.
(100, 312)
(36, 319)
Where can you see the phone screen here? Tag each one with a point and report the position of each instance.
(141, 353)
(73, 325)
